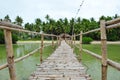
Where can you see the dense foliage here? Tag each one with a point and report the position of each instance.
(57, 27)
(2, 40)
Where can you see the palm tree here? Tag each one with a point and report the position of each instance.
(18, 20)
(7, 18)
(47, 17)
(38, 24)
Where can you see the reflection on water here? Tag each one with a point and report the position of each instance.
(20, 51)
(23, 68)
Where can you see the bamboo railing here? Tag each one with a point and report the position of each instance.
(8, 28)
(104, 25)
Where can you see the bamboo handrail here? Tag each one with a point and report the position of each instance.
(113, 26)
(14, 27)
(8, 24)
(26, 31)
(113, 21)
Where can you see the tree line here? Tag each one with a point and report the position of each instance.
(64, 25)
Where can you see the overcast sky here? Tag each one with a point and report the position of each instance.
(31, 9)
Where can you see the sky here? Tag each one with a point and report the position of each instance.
(29, 10)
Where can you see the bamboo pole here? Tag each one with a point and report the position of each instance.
(57, 40)
(74, 39)
(23, 30)
(41, 49)
(8, 24)
(103, 49)
(113, 21)
(52, 41)
(113, 26)
(94, 30)
(10, 55)
(80, 46)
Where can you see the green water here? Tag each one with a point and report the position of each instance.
(23, 68)
(26, 67)
(94, 66)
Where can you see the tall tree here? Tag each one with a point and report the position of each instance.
(47, 17)
(18, 20)
(7, 18)
(38, 23)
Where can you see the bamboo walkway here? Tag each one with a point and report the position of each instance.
(61, 65)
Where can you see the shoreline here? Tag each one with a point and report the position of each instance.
(19, 42)
(93, 42)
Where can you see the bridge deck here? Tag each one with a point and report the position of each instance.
(61, 65)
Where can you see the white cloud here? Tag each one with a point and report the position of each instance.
(31, 9)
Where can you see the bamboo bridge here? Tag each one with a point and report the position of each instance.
(62, 64)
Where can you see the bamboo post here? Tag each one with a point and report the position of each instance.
(104, 49)
(57, 41)
(74, 39)
(81, 45)
(41, 49)
(71, 40)
(52, 41)
(10, 55)
(60, 40)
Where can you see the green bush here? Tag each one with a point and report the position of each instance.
(87, 40)
(2, 40)
(14, 38)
